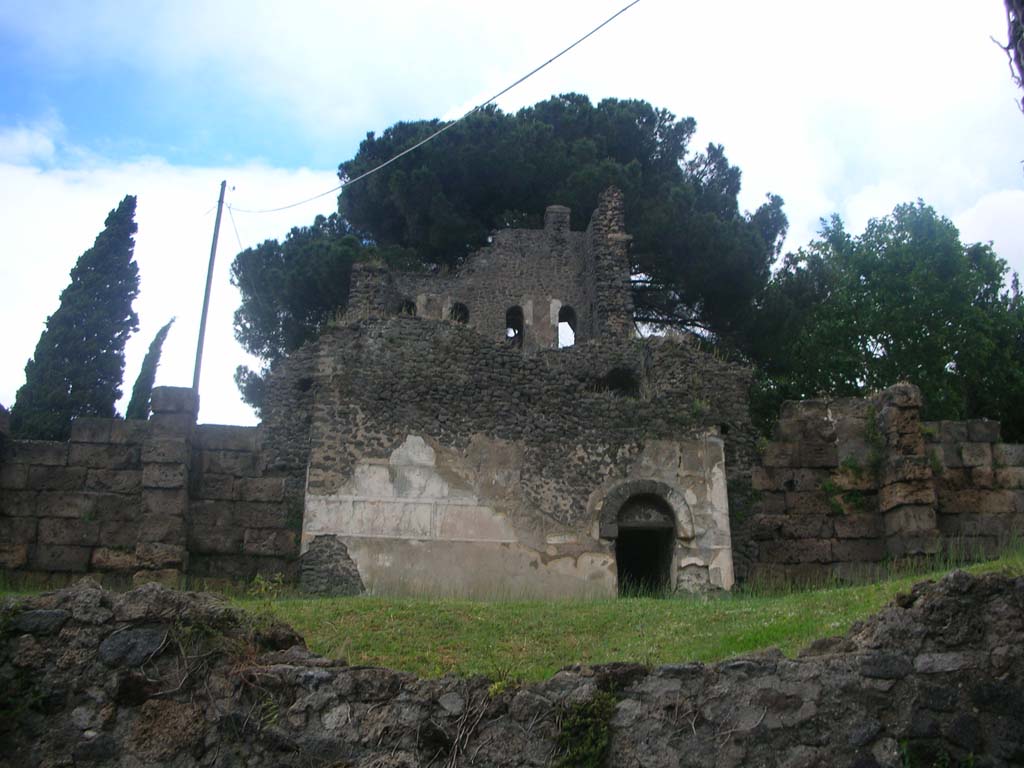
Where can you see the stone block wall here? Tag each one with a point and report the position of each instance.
(144, 500)
(848, 484)
(240, 522)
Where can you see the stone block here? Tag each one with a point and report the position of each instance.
(986, 525)
(115, 507)
(901, 395)
(259, 488)
(112, 559)
(216, 437)
(215, 540)
(17, 530)
(155, 555)
(859, 550)
(119, 533)
(129, 431)
(57, 504)
(103, 456)
(818, 455)
(56, 478)
(910, 520)
(851, 430)
(780, 455)
(165, 502)
(58, 558)
(953, 431)
(90, 429)
(809, 479)
(976, 454)
(237, 463)
(177, 425)
(48, 453)
(976, 502)
(269, 541)
(162, 529)
(863, 526)
(914, 544)
(982, 477)
(114, 480)
(949, 454)
(807, 527)
(164, 476)
(788, 430)
(983, 431)
(950, 525)
(1008, 454)
(908, 493)
(899, 421)
(807, 503)
(766, 479)
(14, 476)
(845, 408)
(859, 479)
(166, 450)
(260, 515)
(905, 468)
(15, 503)
(796, 551)
(770, 504)
(211, 486)
(766, 527)
(69, 531)
(13, 555)
(953, 479)
(174, 400)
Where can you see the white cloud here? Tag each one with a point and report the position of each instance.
(997, 217)
(49, 217)
(30, 144)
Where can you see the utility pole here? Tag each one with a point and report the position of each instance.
(206, 297)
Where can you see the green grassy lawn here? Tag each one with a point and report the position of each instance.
(530, 640)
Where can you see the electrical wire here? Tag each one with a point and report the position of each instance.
(453, 123)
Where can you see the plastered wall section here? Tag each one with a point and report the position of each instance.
(442, 521)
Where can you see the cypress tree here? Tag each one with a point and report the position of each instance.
(78, 363)
(138, 406)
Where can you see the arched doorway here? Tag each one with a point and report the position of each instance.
(644, 545)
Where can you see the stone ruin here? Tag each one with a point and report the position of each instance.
(503, 430)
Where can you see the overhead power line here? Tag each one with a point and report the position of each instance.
(447, 126)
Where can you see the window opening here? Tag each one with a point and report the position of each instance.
(459, 313)
(619, 381)
(408, 308)
(514, 325)
(566, 327)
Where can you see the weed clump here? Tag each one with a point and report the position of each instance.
(586, 733)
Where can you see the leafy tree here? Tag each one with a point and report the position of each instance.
(905, 300)
(291, 289)
(698, 261)
(138, 406)
(78, 363)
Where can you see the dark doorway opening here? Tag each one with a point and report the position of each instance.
(644, 546)
(644, 558)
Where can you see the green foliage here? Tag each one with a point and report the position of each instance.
(906, 300)
(290, 290)
(78, 363)
(138, 406)
(698, 260)
(586, 735)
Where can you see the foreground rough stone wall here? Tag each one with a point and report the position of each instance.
(851, 483)
(160, 678)
(147, 500)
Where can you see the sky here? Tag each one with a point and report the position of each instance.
(837, 107)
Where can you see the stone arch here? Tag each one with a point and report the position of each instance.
(459, 313)
(609, 507)
(407, 307)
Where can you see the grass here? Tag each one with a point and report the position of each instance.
(531, 640)
(513, 640)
